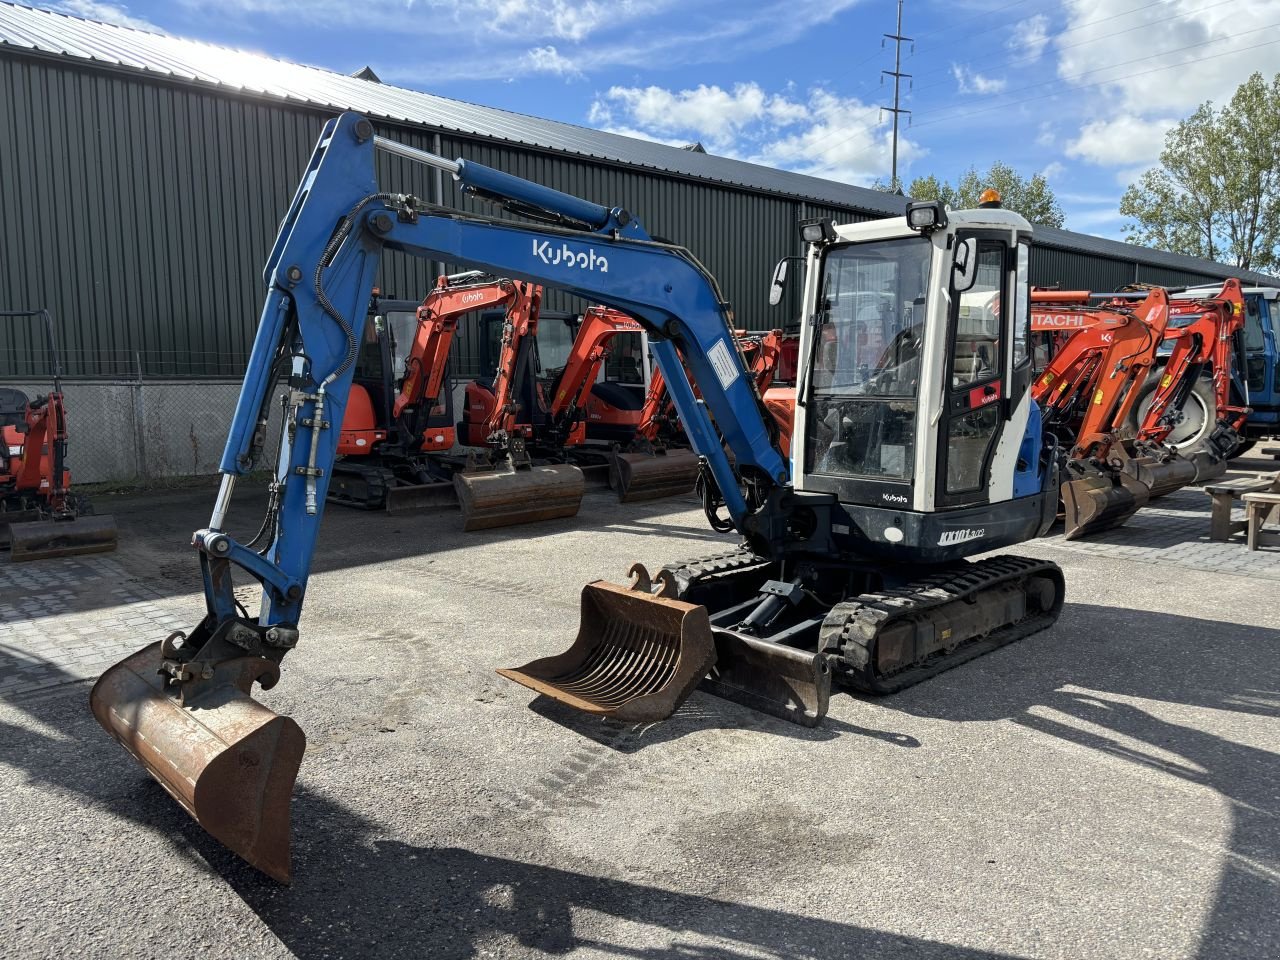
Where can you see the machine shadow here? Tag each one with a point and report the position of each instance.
(360, 893)
(1087, 667)
(701, 711)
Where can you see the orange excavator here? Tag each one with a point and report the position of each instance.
(397, 427)
(1203, 333)
(39, 515)
(1085, 393)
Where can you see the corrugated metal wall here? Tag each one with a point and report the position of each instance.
(141, 214)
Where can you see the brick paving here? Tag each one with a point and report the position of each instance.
(67, 620)
(1175, 530)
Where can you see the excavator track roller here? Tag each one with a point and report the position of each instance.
(229, 761)
(1101, 501)
(643, 476)
(505, 497)
(636, 658)
(45, 539)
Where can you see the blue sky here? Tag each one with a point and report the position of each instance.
(1081, 90)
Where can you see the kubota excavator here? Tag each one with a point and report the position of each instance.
(1085, 393)
(39, 515)
(852, 558)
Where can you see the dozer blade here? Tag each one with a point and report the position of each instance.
(1161, 476)
(636, 658)
(229, 761)
(788, 683)
(643, 476)
(43, 539)
(420, 497)
(1100, 502)
(501, 498)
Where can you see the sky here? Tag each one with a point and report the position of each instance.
(1082, 91)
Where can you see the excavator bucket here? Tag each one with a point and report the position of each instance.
(1161, 476)
(420, 497)
(42, 539)
(644, 476)
(1100, 502)
(636, 658)
(504, 496)
(10, 517)
(229, 761)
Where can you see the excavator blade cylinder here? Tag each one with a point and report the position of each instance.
(1161, 476)
(502, 498)
(42, 539)
(788, 683)
(1100, 502)
(636, 658)
(229, 761)
(642, 476)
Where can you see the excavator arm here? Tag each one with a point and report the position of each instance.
(183, 707)
(589, 352)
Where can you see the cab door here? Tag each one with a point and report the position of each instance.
(975, 381)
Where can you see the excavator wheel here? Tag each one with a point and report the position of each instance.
(229, 761)
(636, 658)
(643, 476)
(504, 496)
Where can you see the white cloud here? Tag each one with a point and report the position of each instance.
(970, 81)
(821, 133)
(113, 13)
(1029, 38)
(1045, 137)
(549, 60)
(1053, 170)
(1123, 140)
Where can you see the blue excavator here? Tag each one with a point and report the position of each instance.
(916, 445)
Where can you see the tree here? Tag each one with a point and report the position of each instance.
(1033, 198)
(1216, 193)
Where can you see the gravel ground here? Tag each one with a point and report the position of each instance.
(1107, 788)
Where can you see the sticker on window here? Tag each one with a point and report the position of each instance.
(723, 364)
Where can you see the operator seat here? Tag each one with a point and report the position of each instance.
(13, 408)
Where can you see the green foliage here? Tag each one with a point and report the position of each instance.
(1032, 197)
(1216, 193)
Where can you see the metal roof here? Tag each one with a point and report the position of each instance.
(46, 33)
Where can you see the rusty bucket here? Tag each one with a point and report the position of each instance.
(1100, 501)
(636, 658)
(229, 761)
(505, 496)
(44, 539)
(645, 476)
(1161, 475)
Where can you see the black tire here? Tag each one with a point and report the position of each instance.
(1199, 414)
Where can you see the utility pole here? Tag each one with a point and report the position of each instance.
(897, 75)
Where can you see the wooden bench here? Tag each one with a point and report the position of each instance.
(1224, 495)
(1258, 509)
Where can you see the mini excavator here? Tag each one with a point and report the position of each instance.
(907, 459)
(40, 517)
(1086, 392)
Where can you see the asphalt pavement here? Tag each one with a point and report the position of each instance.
(1107, 788)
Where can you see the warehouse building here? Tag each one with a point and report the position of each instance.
(144, 177)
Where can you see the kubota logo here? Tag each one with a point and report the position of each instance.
(893, 498)
(563, 254)
(472, 297)
(950, 538)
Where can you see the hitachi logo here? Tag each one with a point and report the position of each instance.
(590, 260)
(893, 498)
(950, 538)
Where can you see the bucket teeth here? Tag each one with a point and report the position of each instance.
(229, 761)
(636, 657)
(502, 498)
